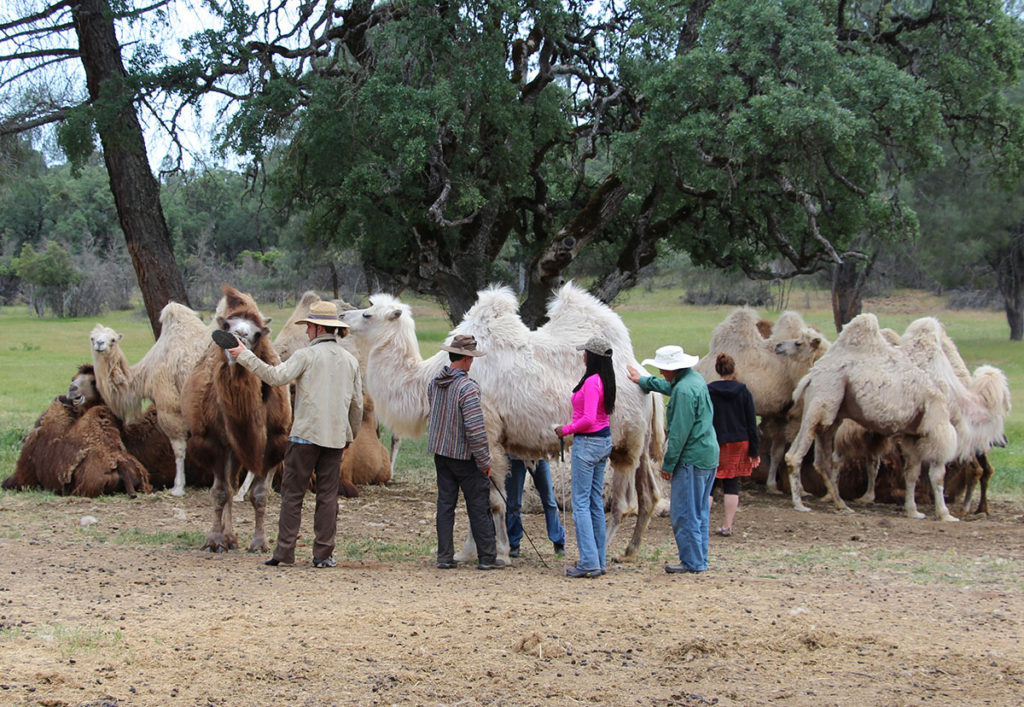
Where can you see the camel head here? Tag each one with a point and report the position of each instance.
(378, 323)
(241, 317)
(805, 347)
(103, 338)
(83, 392)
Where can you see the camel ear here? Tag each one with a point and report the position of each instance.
(267, 320)
(394, 315)
(120, 336)
(815, 342)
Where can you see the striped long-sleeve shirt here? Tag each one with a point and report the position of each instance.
(456, 426)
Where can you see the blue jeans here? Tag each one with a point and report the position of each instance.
(589, 458)
(689, 511)
(541, 474)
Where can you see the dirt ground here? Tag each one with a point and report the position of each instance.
(815, 608)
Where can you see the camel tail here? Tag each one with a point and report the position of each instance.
(656, 444)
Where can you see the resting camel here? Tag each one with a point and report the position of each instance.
(159, 376)
(526, 377)
(769, 366)
(75, 447)
(864, 378)
(236, 421)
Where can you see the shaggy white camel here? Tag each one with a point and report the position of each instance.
(864, 378)
(770, 368)
(526, 378)
(159, 376)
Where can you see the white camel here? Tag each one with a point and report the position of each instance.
(526, 378)
(864, 378)
(770, 367)
(159, 376)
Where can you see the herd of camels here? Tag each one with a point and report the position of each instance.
(872, 392)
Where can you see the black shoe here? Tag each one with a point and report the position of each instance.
(513, 551)
(272, 562)
(681, 569)
(492, 565)
(580, 572)
(447, 565)
(325, 562)
(559, 549)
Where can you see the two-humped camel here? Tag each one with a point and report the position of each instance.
(865, 378)
(236, 421)
(526, 378)
(769, 366)
(159, 376)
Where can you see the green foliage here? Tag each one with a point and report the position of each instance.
(48, 274)
(76, 136)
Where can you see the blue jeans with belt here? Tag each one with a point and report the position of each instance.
(689, 511)
(589, 458)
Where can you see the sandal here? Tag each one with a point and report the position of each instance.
(724, 532)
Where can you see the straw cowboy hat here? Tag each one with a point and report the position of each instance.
(324, 314)
(671, 358)
(464, 344)
(596, 345)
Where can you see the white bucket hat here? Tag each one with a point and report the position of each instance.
(671, 358)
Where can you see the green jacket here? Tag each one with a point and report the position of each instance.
(689, 417)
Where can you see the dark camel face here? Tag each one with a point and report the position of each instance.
(245, 329)
(82, 390)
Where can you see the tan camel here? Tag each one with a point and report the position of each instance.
(864, 378)
(159, 376)
(770, 368)
(526, 378)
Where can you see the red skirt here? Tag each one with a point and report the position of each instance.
(733, 460)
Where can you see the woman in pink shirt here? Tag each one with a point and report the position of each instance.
(593, 400)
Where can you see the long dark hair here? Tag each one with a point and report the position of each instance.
(601, 366)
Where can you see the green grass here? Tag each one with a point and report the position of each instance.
(39, 356)
(362, 550)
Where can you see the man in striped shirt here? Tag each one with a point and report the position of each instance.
(457, 439)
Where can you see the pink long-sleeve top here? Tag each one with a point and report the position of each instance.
(588, 414)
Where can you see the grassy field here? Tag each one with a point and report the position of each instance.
(39, 356)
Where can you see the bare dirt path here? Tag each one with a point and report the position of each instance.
(869, 609)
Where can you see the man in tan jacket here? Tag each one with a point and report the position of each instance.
(327, 416)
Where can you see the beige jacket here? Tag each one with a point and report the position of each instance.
(328, 408)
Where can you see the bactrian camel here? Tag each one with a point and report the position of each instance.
(159, 376)
(526, 378)
(864, 378)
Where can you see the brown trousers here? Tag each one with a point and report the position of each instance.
(300, 461)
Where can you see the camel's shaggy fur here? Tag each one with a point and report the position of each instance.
(526, 377)
(769, 366)
(75, 447)
(864, 378)
(159, 376)
(366, 461)
(236, 420)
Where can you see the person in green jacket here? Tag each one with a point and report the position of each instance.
(692, 454)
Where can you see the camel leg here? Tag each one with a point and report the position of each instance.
(910, 474)
(778, 451)
(869, 495)
(258, 498)
(986, 474)
(618, 504)
(178, 446)
(824, 446)
(646, 501)
(244, 488)
(220, 494)
(794, 460)
(396, 444)
(937, 475)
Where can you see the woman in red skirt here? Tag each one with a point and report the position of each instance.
(736, 428)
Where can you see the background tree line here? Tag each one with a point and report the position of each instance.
(431, 140)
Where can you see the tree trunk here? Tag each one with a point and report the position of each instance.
(1009, 268)
(136, 192)
(847, 289)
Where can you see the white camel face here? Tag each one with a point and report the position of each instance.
(245, 330)
(103, 338)
(362, 322)
(803, 348)
(82, 390)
